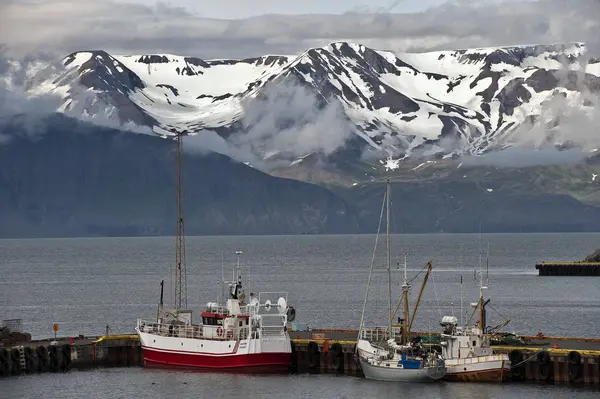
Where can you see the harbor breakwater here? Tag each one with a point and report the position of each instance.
(538, 359)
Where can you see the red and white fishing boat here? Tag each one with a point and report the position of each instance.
(235, 335)
(232, 334)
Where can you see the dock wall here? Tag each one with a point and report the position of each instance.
(313, 356)
(568, 268)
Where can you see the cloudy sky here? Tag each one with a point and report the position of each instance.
(230, 9)
(243, 28)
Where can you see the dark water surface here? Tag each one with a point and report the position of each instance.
(85, 284)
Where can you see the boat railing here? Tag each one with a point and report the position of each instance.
(482, 359)
(222, 310)
(170, 330)
(273, 325)
(378, 334)
(193, 331)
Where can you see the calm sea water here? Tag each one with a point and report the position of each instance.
(86, 284)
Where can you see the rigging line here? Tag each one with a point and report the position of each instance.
(417, 275)
(437, 300)
(409, 283)
(498, 313)
(362, 317)
(394, 227)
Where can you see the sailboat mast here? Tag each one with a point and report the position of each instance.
(389, 257)
(405, 332)
(180, 261)
(481, 310)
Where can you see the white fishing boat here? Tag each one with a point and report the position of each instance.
(232, 334)
(387, 354)
(467, 350)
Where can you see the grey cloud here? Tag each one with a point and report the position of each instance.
(287, 122)
(523, 157)
(71, 25)
(18, 75)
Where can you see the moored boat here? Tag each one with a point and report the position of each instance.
(467, 350)
(468, 355)
(232, 335)
(386, 354)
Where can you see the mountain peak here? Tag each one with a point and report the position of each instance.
(444, 103)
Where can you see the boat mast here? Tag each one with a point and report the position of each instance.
(389, 258)
(180, 259)
(362, 315)
(481, 305)
(405, 327)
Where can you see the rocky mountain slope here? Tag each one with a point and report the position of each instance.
(340, 96)
(343, 116)
(76, 179)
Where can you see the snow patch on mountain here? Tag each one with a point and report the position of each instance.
(399, 105)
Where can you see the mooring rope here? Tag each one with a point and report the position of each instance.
(526, 360)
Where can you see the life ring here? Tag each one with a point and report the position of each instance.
(220, 331)
(574, 364)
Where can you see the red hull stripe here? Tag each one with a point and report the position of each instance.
(171, 359)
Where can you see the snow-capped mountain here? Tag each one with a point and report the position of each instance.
(448, 102)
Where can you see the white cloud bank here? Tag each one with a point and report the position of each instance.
(64, 26)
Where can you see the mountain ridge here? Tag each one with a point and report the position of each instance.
(400, 105)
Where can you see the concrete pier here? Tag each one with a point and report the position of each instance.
(319, 351)
(64, 354)
(568, 268)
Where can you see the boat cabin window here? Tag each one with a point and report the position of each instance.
(211, 321)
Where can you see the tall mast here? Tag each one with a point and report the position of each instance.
(481, 304)
(405, 327)
(180, 261)
(389, 258)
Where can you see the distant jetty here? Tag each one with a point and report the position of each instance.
(590, 266)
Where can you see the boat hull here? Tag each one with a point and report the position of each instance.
(271, 354)
(255, 362)
(487, 371)
(379, 373)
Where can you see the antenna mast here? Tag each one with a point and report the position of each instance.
(180, 261)
(389, 259)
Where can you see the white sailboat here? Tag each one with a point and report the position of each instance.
(467, 350)
(379, 354)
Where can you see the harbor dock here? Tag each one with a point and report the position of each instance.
(590, 266)
(568, 268)
(316, 351)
